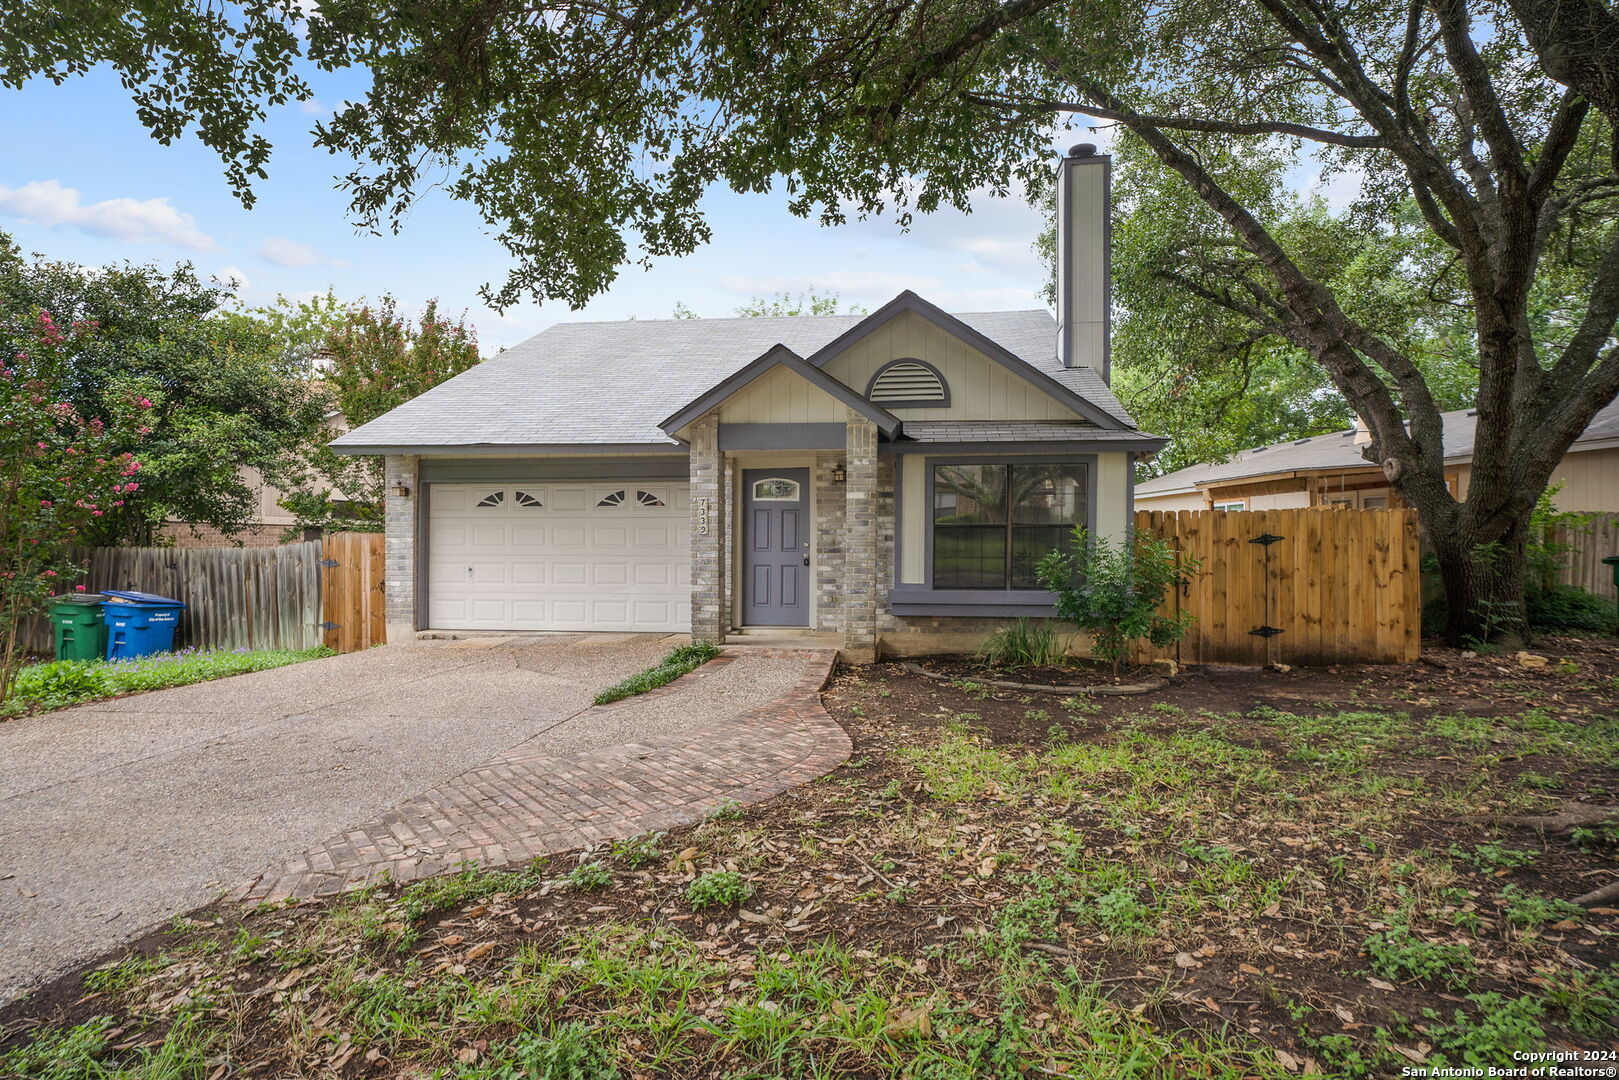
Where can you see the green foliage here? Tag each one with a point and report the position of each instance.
(640, 850)
(59, 683)
(1493, 856)
(86, 1052)
(62, 471)
(68, 682)
(1398, 953)
(223, 391)
(1590, 999)
(376, 361)
(717, 888)
(1114, 594)
(589, 877)
(1565, 609)
(1024, 643)
(432, 895)
(1530, 909)
(809, 302)
(681, 659)
(569, 1051)
(1502, 1025)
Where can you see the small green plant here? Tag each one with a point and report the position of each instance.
(588, 877)
(717, 888)
(681, 660)
(1024, 643)
(724, 810)
(569, 1051)
(1530, 909)
(638, 851)
(1493, 856)
(1114, 593)
(1397, 953)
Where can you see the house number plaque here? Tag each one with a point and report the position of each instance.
(702, 517)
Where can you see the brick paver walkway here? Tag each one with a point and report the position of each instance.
(525, 803)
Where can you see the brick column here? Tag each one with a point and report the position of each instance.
(399, 529)
(860, 541)
(709, 617)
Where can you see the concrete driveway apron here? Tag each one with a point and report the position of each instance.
(118, 815)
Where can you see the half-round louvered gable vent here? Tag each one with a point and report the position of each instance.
(908, 383)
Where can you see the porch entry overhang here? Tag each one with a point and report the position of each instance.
(780, 357)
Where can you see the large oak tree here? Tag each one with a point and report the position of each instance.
(587, 131)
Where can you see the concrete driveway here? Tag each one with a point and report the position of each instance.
(116, 816)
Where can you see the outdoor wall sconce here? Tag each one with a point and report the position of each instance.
(401, 490)
(839, 473)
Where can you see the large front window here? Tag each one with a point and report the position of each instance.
(992, 524)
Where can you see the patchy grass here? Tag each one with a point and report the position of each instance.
(1303, 875)
(681, 659)
(60, 683)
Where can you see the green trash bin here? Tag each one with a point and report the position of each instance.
(80, 625)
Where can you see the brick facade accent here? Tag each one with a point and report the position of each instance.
(399, 547)
(710, 601)
(829, 543)
(860, 561)
(188, 535)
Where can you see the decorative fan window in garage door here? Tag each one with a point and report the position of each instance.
(494, 498)
(523, 498)
(619, 498)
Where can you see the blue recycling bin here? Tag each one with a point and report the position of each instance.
(139, 623)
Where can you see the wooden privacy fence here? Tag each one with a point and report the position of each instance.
(1588, 544)
(351, 591)
(1295, 586)
(295, 596)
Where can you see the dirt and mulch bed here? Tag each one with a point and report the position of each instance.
(1345, 872)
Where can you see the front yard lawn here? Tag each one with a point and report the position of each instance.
(60, 683)
(1247, 875)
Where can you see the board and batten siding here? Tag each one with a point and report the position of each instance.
(781, 396)
(1111, 496)
(980, 388)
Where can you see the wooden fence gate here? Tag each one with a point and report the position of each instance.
(351, 591)
(1295, 586)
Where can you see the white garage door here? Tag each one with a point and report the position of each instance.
(601, 556)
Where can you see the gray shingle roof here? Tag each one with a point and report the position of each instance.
(610, 383)
(1338, 451)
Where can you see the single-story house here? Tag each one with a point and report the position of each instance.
(885, 481)
(1330, 471)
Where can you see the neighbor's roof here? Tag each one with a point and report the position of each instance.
(1337, 451)
(610, 383)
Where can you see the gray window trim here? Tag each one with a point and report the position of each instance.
(916, 403)
(976, 601)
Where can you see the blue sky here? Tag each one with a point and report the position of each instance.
(81, 180)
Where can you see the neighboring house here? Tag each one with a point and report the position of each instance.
(271, 522)
(889, 480)
(1330, 471)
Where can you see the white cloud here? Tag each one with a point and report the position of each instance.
(280, 251)
(998, 235)
(134, 221)
(233, 276)
(1338, 189)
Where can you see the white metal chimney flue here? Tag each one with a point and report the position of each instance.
(1084, 237)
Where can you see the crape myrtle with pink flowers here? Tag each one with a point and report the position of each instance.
(59, 473)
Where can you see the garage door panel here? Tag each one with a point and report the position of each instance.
(549, 557)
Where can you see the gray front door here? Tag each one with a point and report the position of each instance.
(775, 547)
